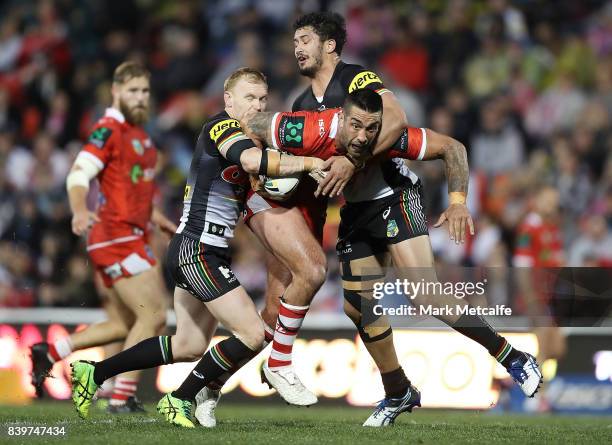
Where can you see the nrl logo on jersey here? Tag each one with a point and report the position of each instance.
(363, 79)
(216, 131)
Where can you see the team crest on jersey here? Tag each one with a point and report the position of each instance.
(363, 79)
(138, 148)
(218, 129)
(99, 137)
(392, 229)
(291, 131)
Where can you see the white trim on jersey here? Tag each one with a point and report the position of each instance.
(273, 131)
(115, 114)
(123, 239)
(333, 128)
(423, 145)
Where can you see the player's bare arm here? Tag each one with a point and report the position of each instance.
(264, 162)
(454, 155)
(162, 221)
(259, 125)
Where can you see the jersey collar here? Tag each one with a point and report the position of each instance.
(115, 114)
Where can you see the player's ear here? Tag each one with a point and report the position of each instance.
(330, 46)
(227, 98)
(340, 119)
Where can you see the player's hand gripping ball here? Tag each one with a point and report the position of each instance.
(280, 189)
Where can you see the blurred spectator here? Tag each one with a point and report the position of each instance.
(594, 246)
(528, 90)
(498, 147)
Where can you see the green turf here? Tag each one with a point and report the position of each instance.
(264, 424)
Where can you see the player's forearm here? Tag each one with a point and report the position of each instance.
(77, 198)
(394, 123)
(259, 125)
(274, 163)
(157, 217)
(454, 155)
(456, 166)
(296, 164)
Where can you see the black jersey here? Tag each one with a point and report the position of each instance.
(216, 188)
(346, 79)
(378, 179)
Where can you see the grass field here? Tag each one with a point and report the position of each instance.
(257, 424)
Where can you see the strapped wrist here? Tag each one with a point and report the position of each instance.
(457, 198)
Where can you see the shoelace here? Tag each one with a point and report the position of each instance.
(83, 392)
(517, 371)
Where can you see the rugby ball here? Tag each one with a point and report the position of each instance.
(281, 189)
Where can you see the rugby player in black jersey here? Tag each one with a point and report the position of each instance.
(206, 289)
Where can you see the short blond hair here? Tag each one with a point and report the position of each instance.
(129, 70)
(252, 75)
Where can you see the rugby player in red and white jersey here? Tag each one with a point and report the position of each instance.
(390, 228)
(121, 155)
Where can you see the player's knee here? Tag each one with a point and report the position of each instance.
(186, 349)
(311, 276)
(119, 330)
(155, 320)
(252, 336)
(352, 313)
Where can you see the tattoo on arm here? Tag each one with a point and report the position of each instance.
(457, 170)
(259, 125)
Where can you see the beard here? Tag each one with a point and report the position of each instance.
(136, 115)
(311, 71)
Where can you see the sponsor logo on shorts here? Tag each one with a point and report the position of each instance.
(386, 212)
(227, 274)
(113, 271)
(197, 374)
(363, 79)
(216, 131)
(392, 229)
(344, 247)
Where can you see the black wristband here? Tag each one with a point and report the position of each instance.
(263, 164)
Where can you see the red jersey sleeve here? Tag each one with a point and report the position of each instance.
(101, 142)
(412, 145)
(306, 133)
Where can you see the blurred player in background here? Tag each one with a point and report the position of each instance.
(537, 255)
(121, 155)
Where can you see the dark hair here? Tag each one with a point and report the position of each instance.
(327, 25)
(367, 100)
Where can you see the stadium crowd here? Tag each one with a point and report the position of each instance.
(525, 85)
